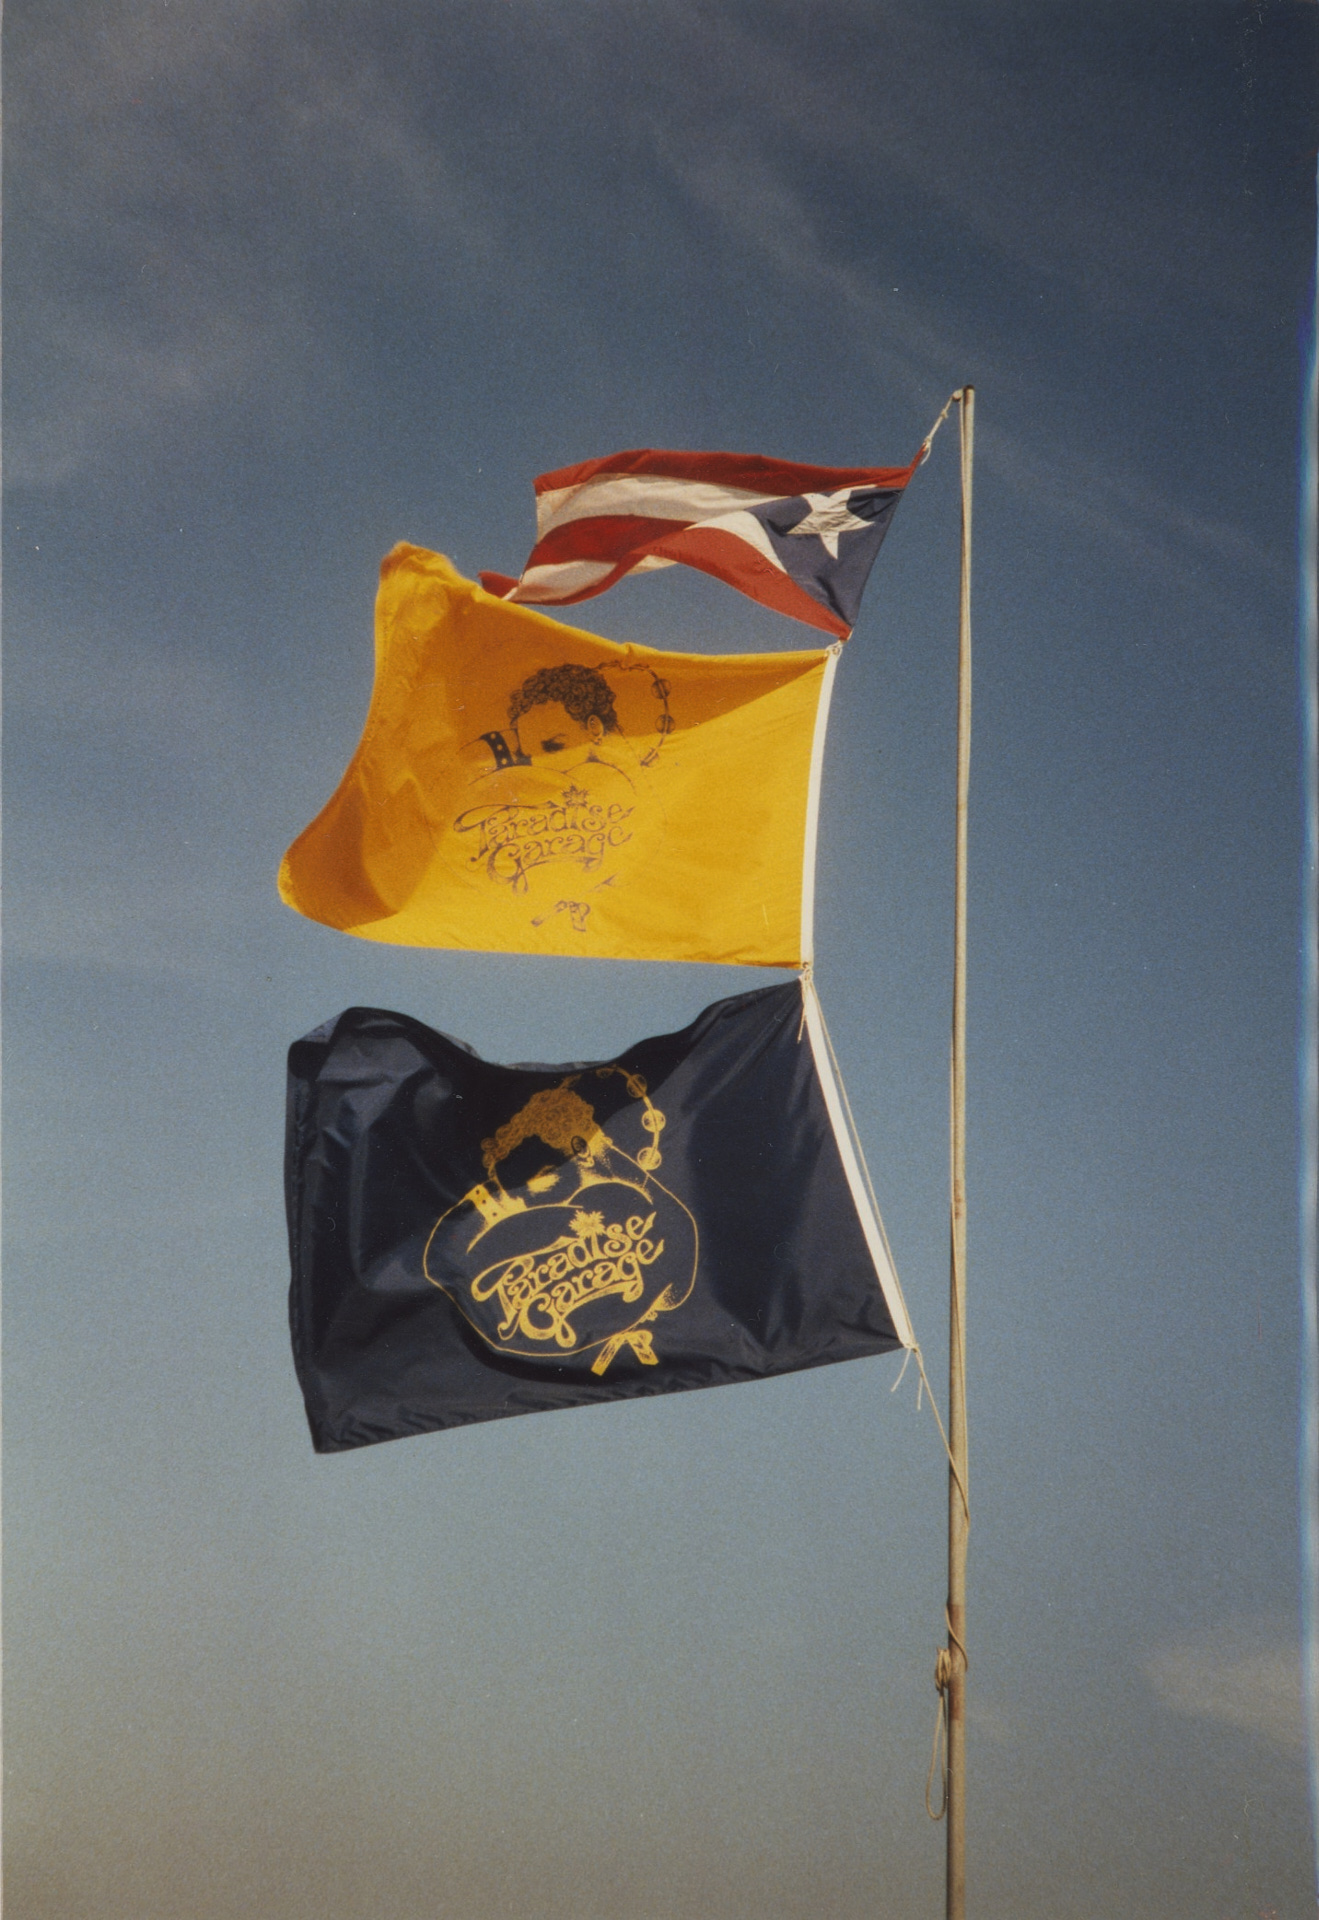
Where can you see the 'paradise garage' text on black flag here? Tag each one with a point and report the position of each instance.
(470, 1241)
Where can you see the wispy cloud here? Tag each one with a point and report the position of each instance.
(155, 269)
(949, 122)
(1248, 1677)
(186, 184)
(914, 346)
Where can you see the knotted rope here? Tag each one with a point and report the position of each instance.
(944, 1669)
(929, 438)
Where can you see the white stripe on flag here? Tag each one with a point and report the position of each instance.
(551, 582)
(652, 498)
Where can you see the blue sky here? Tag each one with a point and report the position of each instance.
(288, 284)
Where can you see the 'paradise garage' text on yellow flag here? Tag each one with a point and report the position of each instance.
(524, 787)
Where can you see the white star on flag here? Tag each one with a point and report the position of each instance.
(830, 515)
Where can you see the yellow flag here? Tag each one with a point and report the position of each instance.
(524, 787)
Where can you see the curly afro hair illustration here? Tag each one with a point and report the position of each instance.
(559, 1117)
(580, 691)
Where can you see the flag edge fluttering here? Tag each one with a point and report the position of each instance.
(634, 542)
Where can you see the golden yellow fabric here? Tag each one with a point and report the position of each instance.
(524, 787)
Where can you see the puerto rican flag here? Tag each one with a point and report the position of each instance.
(799, 539)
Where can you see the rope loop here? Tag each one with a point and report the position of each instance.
(945, 1666)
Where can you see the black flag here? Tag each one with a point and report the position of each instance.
(471, 1240)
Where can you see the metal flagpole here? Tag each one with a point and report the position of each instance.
(958, 1514)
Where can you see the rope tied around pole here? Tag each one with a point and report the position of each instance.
(945, 1666)
(943, 1670)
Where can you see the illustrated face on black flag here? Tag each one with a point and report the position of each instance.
(577, 1256)
(471, 1241)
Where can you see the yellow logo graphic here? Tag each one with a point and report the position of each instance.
(540, 1292)
(572, 1257)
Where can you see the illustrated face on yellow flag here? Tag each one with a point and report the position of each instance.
(524, 787)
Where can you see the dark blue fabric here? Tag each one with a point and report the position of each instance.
(390, 1126)
(836, 583)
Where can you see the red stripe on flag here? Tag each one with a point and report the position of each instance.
(602, 536)
(750, 472)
